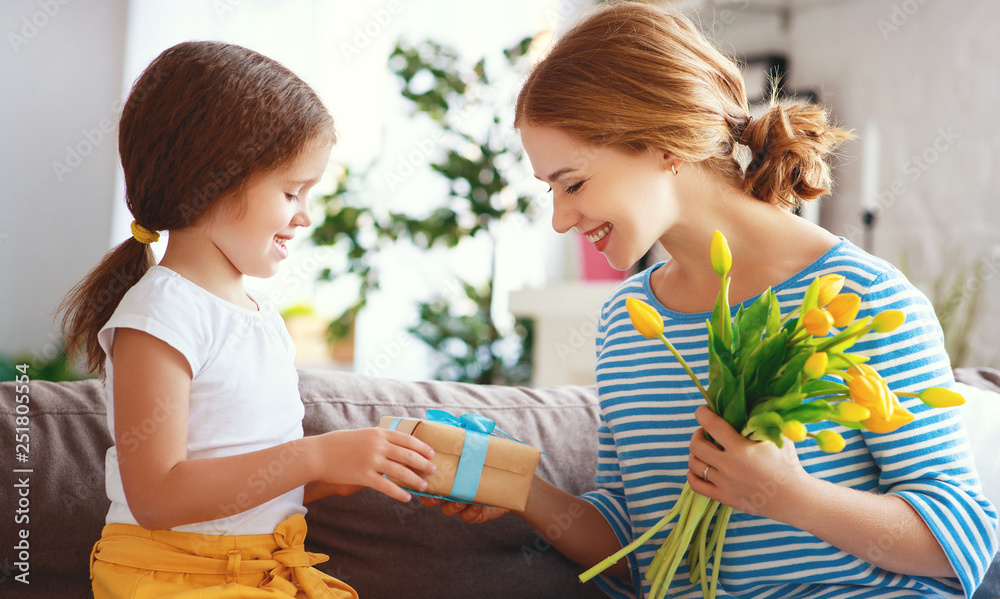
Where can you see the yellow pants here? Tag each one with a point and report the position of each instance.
(132, 562)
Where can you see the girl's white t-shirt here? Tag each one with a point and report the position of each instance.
(244, 392)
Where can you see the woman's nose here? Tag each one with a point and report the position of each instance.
(564, 217)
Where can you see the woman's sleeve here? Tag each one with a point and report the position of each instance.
(609, 498)
(928, 462)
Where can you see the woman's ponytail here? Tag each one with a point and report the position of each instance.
(90, 304)
(789, 147)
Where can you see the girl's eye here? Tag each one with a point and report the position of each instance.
(550, 189)
(291, 197)
(574, 188)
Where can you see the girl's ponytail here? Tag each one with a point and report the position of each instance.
(789, 147)
(92, 302)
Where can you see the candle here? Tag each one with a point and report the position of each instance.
(870, 166)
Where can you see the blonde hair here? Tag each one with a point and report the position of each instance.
(634, 76)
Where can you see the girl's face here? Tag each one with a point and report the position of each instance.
(276, 205)
(622, 201)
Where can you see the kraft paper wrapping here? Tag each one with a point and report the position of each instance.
(507, 471)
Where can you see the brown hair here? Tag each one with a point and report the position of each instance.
(635, 76)
(199, 122)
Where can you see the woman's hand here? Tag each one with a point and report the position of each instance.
(471, 513)
(750, 476)
(358, 458)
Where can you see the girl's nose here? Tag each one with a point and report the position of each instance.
(302, 217)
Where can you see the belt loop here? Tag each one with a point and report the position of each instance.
(233, 569)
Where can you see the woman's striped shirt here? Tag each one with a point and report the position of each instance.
(647, 420)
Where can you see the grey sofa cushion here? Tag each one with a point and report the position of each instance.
(383, 547)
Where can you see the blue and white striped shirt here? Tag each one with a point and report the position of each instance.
(647, 420)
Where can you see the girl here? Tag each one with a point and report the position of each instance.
(209, 471)
(636, 122)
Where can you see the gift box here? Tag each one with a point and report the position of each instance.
(476, 462)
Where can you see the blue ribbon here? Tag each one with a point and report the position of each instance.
(478, 430)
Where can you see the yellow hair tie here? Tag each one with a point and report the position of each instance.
(143, 235)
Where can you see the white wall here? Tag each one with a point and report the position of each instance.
(61, 65)
(926, 72)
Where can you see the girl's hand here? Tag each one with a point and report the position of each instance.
(358, 458)
(471, 513)
(754, 477)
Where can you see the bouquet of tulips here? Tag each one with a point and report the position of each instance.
(768, 377)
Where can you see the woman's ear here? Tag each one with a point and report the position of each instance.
(671, 162)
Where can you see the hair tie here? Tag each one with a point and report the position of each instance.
(143, 235)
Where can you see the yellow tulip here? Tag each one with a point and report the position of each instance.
(815, 365)
(817, 322)
(888, 321)
(900, 417)
(939, 397)
(861, 370)
(849, 411)
(844, 309)
(645, 318)
(829, 287)
(722, 258)
(872, 393)
(830, 441)
(794, 430)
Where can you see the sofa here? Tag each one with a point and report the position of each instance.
(380, 546)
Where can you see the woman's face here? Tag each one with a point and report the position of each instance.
(622, 201)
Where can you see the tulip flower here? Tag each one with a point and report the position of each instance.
(844, 309)
(815, 366)
(830, 441)
(900, 416)
(722, 258)
(887, 321)
(645, 318)
(939, 397)
(829, 287)
(649, 323)
(817, 322)
(849, 411)
(872, 393)
(794, 430)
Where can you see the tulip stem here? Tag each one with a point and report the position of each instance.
(687, 368)
(613, 558)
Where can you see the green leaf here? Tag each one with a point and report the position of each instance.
(721, 316)
(752, 324)
(780, 404)
(767, 358)
(773, 313)
(736, 407)
(766, 427)
(788, 374)
(823, 386)
(811, 298)
(839, 361)
(815, 411)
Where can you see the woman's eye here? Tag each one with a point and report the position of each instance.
(574, 188)
(291, 197)
(550, 189)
